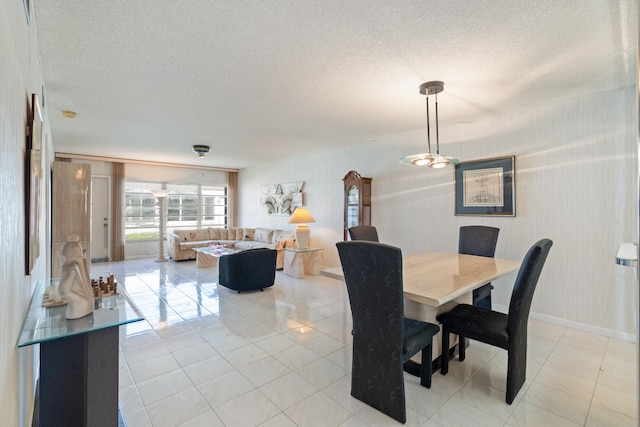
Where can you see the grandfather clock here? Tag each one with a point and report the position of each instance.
(357, 201)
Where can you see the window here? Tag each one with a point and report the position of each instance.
(188, 206)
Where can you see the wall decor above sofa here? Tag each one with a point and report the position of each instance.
(282, 199)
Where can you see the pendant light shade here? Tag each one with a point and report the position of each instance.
(433, 160)
(201, 150)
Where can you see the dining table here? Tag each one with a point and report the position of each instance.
(435, 282)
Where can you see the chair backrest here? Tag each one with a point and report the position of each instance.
(373, 274)
(364, 232)
(248, 270)
(524, 287)
(478, 240)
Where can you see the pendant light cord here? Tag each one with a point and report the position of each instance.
(428, 128)
(437, 130)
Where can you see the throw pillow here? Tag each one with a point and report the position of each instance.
(249, 233)
(183, 234)
(280, 235)
(239, 234)
(263, 235)
(214, 233)
(199, 234)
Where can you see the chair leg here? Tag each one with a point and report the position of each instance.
(516, 372)
(426, 367)
(461, 348)
(444, 352)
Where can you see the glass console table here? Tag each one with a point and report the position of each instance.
(79, 364)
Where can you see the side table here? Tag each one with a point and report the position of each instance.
(79, 364)
(298, 262)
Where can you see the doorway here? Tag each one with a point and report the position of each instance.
(100, 218)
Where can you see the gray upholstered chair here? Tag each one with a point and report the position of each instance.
(507, 331)
(383, 339)
(248, 270)
(479, 240)
(364, 232)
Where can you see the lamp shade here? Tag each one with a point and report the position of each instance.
(301, 216)
(160, 193)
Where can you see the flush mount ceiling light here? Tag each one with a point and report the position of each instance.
(201, 150)
(429, 158)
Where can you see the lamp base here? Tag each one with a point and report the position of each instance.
(302, 236)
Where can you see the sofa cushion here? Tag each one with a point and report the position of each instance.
(250, 244)
(263, 235)
(227, 243)
(231, 233)
(182, 234)
(249, 233)
(198, 234)
(224, 234)
(214, 233)
(281, 235)
(239, 233)
(195, 244)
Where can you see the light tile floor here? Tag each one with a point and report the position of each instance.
(207, 356)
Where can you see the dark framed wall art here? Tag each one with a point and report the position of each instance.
(486, 187)
(33, 176)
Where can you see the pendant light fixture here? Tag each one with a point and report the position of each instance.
(201, 150)
(433, 160)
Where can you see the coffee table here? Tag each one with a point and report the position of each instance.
(208, 256)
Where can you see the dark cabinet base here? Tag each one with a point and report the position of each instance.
(78, 383)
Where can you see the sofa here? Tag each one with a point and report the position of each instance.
(250, 270)
(182, 243)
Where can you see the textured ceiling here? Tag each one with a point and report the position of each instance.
(258, 80)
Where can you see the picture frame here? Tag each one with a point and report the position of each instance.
(33, 184)
(486, 187)
(27, 10)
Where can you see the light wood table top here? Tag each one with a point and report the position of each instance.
(435, 278)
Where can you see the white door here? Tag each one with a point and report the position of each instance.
(100, 203)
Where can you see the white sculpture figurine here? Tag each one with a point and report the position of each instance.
(75, 286)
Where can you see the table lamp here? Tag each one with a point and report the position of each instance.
(301, 217)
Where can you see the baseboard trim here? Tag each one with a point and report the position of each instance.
(611, 333)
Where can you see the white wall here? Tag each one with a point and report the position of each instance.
(20, 76)
(174, 175)
(576, 168)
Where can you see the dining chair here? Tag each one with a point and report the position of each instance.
(479, 240)
(507, 331)
(364, 232)
(383, 339)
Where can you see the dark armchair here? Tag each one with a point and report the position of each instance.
(248, 270)
(507, 331)
(383, 339)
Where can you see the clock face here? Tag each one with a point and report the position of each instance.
(352, 195)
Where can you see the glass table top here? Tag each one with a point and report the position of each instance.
(45, 324)
(303, 250)
(216, 252)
